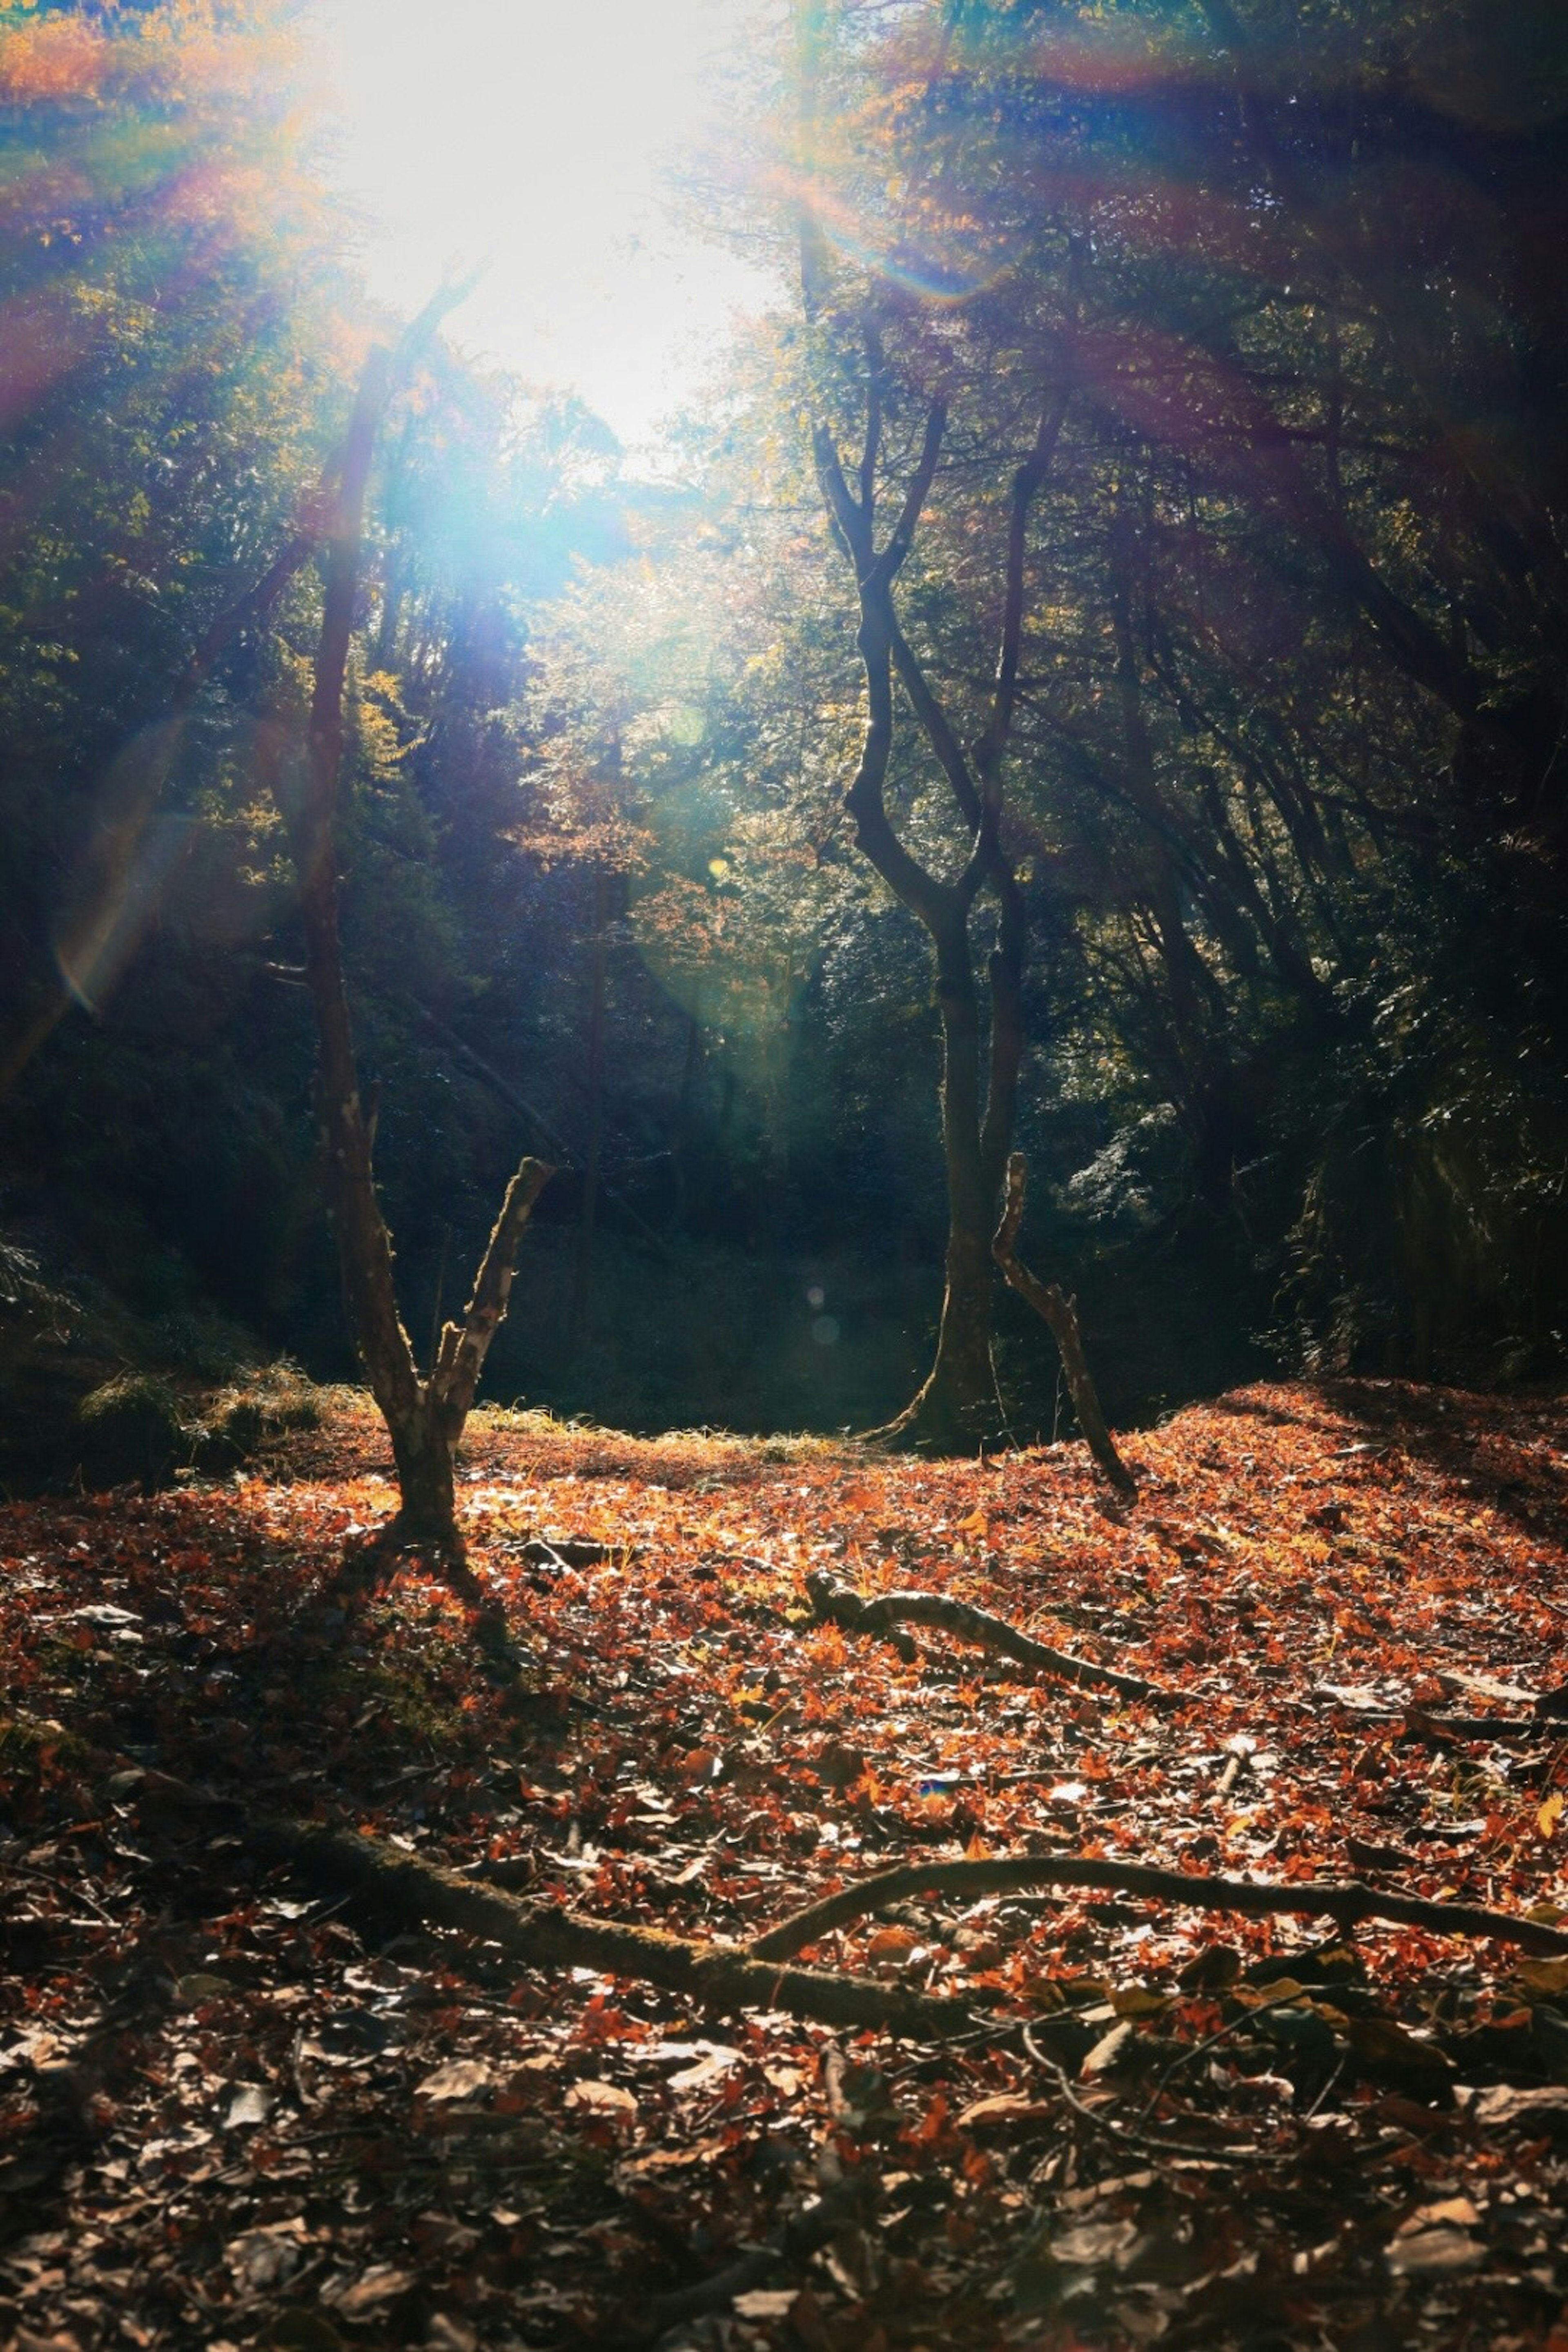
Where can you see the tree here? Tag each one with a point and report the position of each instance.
(958, 1402)
(1300, 696)
(424, 1413)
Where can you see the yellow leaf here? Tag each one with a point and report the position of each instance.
(975, 1524)
(1139, 2001)
(1549, 1977)
(1551, 1813)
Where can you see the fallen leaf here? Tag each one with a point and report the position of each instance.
(1456, 2212)
(602, 2099)
(1090, 2244)
(268, 2256)
(1548, 1976)
(201, 1985)
(378, 2286)
(766, 2303)
(1108, 2050)
(1433, 2253)
(1545, 2109)
(891, 1944)
(249, 2105)
(460, 2078)
(707, 2074)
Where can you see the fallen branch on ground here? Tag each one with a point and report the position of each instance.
(1415, 1722)
(833, 1599)
(368, 1876)
(1346, 1901)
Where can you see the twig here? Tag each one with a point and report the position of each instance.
(1211, 2041)
(1128, 2135)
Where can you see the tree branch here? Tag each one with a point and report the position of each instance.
(1051, 1303)
(461, 1355)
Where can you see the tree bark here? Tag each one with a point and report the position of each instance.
(834, 1599)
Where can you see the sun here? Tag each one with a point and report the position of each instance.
(534, 139)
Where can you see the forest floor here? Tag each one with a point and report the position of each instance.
(237, 2108)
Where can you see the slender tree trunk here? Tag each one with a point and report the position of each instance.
(957, 1405)
(424, 1417)
(582, 1271)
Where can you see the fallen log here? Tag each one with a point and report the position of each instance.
(1346, 1901)
(834, 1599)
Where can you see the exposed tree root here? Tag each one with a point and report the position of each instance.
(832, 1599)
(1346, 1901)
(931, 1424)
(377, 1878)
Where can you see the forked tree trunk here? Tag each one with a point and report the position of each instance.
(424, 1417)
(957, 1406)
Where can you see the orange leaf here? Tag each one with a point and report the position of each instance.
(891, 1944)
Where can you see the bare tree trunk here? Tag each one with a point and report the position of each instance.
(424, 1417)
(1050, 1302)
(957, 1405)
(582, 1271)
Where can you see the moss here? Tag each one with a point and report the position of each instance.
(134, 1426)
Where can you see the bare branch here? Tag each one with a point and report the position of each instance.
(1026, 483)
(1051, 1303)
(461, 1355)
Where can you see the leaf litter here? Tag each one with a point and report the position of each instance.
(235, 2111)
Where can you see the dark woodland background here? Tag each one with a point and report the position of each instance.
(1287, 789)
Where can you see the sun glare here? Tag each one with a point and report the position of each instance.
(532, 138)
